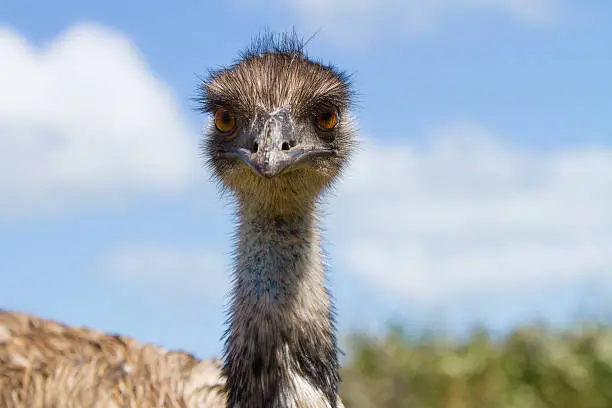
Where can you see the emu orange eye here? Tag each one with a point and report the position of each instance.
(327, 118)
(225, 121)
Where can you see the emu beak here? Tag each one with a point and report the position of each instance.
(275, 149)
(276, 162)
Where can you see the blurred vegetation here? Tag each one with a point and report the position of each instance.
(532, 367)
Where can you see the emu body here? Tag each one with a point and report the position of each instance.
(45, 364)
(279, 137)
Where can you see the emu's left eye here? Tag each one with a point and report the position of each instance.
(327, 118)
(225, 122)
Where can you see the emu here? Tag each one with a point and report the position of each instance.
(280, 135)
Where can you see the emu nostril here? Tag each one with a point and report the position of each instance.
(285, 146)
(255, 148)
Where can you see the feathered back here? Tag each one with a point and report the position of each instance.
(47, 364)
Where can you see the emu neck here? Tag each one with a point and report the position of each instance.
(281, 345)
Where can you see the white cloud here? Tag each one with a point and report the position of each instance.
(467, 216)
(357, 21)
(84, 120)
(201, 270)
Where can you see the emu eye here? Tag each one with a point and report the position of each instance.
(225, 122)
(327, 118)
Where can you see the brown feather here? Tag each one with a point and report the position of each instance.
(46, 364)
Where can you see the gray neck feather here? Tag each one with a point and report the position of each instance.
(281, 344)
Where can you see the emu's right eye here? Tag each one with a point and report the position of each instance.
(327, 118)
(225, 122)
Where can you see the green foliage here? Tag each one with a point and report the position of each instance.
(532, 367)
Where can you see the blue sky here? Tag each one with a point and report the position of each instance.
(482, 192)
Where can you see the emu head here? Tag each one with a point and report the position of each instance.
(280, 130)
